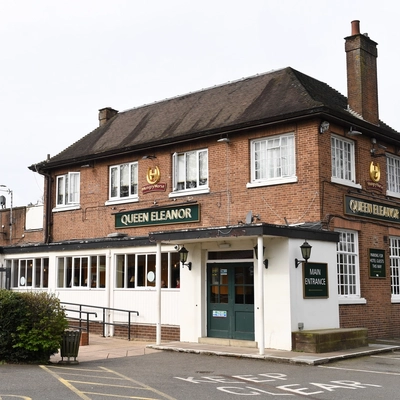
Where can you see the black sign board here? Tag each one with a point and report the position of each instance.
(315, 280)
(377, 265)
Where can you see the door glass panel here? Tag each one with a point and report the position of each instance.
(219, 285)
(244, 288)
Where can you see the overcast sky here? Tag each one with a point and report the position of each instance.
(63, 60)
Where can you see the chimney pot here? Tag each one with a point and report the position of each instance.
(355, 27)
(105, 114)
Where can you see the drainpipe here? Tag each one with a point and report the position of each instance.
(158, 294)
(260, 293)
(109, 285)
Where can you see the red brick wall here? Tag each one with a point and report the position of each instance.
(228, 200)
(138, 331)
(19, 234)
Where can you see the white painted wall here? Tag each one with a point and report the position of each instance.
(34, 217)
(277, 294)
(285, 306)
(314, 313)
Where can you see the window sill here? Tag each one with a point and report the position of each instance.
(292, 179)
(352, 300)
(192, 192)
(392, 194)
(346, 183)
(66, 208)
(395, 300)
(122, 201)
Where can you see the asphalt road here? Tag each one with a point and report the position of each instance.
(181, 376)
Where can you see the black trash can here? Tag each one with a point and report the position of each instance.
(70, 346)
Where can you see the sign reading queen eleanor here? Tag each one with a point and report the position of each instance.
(158, 216)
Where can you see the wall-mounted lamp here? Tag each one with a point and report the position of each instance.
(148, 157)
(224, 245)
(374, 149)
(224, 140)
(324, 127)
(305, 252)
(353, 132)
(183, 254)
(265, 262)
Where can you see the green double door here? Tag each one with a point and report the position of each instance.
(230, 308)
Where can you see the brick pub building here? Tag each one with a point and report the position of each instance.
(240, 176)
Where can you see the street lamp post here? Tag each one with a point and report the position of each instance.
(10, 192)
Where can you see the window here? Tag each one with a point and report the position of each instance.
(273, 160)
(347, 265)
(395, 267)
(29, 273)
(190, 171)
(83, 272)
(124, 181)
(68, 190)
(139, 270)
(343, 163)
(393, 175)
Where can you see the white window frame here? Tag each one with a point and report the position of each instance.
(131, 270)
(81, 272)
(132, 179)
(392, 175)
(273, 160)
(343, 164)
(35, 272)
(198, 173)
(395, 269)
(68, 191)
(347, 268)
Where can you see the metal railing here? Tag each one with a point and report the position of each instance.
(82, 310)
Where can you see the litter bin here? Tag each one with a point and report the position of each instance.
(70, 346)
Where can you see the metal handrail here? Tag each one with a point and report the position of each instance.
(104, 323)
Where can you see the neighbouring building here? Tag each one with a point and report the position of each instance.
(240, 176)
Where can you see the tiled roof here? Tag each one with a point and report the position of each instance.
(273, 96)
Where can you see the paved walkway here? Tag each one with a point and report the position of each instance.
(101, 348)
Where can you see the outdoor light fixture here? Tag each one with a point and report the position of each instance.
(265, 262)
(148, 157)
(183, 253)
(305, 252)
(353, 132)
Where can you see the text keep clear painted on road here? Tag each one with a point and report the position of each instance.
(242, 385)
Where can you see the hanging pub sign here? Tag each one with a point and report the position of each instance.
(153, 177)
(158, 216)
(315, 280)
(371, 209)
(377, 267)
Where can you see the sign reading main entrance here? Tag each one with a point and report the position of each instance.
(315, 277)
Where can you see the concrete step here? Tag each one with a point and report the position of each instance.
(228, 342)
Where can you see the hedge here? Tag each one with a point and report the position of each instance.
(31, 326)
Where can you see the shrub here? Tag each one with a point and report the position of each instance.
(31, 326)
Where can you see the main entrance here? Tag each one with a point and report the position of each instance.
(230, 307)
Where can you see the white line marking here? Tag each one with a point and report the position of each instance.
(361, 370)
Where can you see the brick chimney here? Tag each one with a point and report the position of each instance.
(105, 114)
(362, 79)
